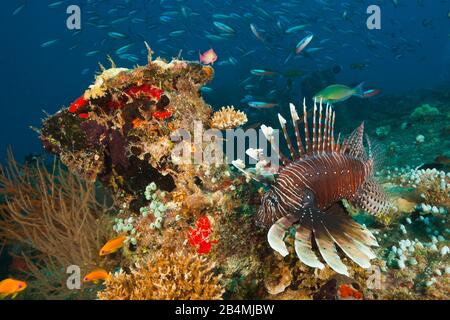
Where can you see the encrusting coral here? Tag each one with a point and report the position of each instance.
(176, 276)
(228, 118)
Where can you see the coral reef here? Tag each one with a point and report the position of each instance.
(177, 276)
(190, 227)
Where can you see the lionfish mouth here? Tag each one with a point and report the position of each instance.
(308, 190)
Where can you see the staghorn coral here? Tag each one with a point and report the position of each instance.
(166, 276)
(57, 221)
(228, 118)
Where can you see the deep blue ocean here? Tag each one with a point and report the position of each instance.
(410, 52)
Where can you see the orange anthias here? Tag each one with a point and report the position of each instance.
(208, 57)
(11, 287)
(96, 276)
(112, 245)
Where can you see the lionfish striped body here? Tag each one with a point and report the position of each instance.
(309, 189)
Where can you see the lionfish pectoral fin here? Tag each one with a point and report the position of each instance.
(327, 249)
(339, 218)
(350, 247)
(276, 234)
(304, 250)
(337, 223)
(372, 198)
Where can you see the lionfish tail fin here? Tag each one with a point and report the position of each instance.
(371, 198)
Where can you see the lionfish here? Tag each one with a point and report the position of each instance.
(309, 189)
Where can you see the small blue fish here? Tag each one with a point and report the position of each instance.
(124, 48)
(206, 89)
(303, 43)
(117, 35)
(92, 53)
(223, 27)
(263, 73)
(55, 4)
(18, 9)
(261, 104)
(177, 33)
(49, 43)
(296, 29)
(165, 19)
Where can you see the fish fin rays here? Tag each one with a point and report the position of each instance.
(371, 198)
(354, 145)
(321, 139)
(328, 229)
(303, 248)
(276, 234)
(327, 249)
(338, 219)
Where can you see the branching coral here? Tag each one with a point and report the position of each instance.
(56, 219)
(182, 275)
(228, 118)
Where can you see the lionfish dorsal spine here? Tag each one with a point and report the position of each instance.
(305, 122)
(295, 119)
(338, 144)
(286, 136)
(314, 140)
(322, 131)
(325, 130)
(332, 130)
(320, 134)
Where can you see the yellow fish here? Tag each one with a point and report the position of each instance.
(112, 245)
(96, 276)
(11, 287)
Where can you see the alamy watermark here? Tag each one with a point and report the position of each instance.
(213, 146)
(374, 20)
(73, 22)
